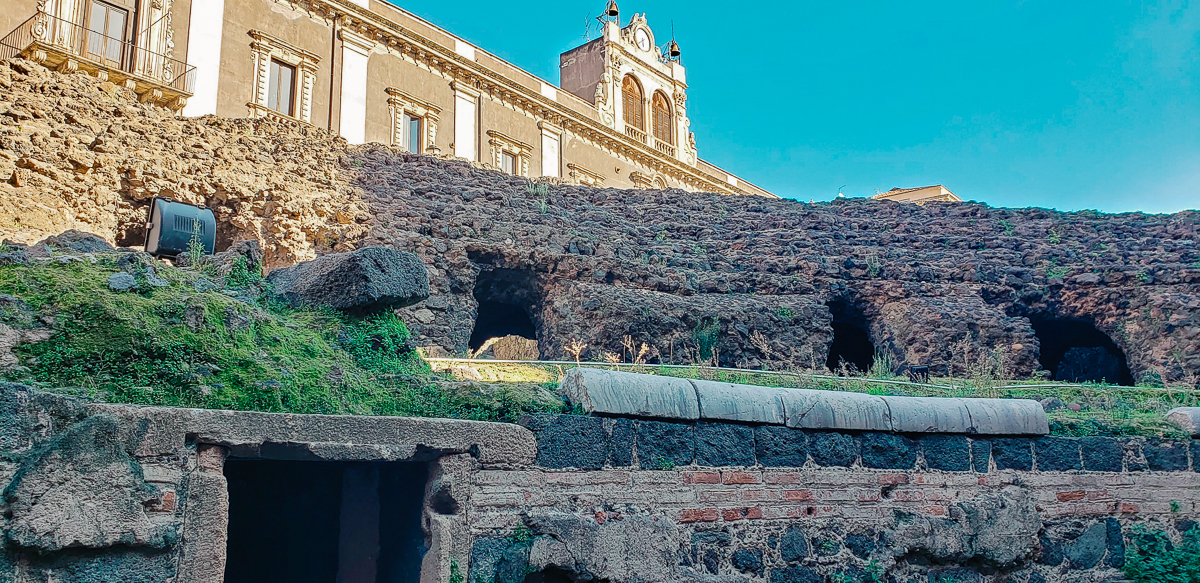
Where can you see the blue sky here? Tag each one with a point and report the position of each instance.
(1070, 105)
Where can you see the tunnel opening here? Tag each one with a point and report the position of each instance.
(1074, 350)
(507, 300)
(315, 522)
(851, 340)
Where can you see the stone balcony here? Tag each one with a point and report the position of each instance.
(70, 47)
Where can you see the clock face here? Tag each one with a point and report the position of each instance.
(643, 39)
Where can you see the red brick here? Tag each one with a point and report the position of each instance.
(935, 510)
(1097, 494)
(732, 514)
(754, 513)
(1071, 496)
(740, 478)
(908, 495)
(1128, 508)
(699, 515)
(868, 496)
(798, 495)
(782, 478)
(165, 503)
(701, 478)
(893, 479)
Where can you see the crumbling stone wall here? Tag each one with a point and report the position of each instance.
(602, 264)
(571, 497)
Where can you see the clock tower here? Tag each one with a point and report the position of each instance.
(639, 87)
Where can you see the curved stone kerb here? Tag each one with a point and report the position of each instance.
(1187, 418)
(638, 395)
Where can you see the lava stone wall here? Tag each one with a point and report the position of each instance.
(725, 502)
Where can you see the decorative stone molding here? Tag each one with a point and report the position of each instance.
(264, 48)
(584, 177)
(641, 180)
(400, 103)
(500, 144)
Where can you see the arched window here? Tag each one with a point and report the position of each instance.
(662, 119)
(632, 92)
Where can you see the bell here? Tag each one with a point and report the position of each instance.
(673, 49)
(612, 9)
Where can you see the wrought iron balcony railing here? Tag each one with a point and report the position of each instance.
(61, 43)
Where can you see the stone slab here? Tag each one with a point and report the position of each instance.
(809, 409)
(1187, 418)
(745, 403)
(1007, 417)
(928, 415)
(621, 393)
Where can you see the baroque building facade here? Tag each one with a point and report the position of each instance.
(372, 72)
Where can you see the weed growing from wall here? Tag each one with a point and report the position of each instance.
(1151, 557)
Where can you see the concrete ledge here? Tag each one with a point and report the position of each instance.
(808, 409)
(1186, 417)
(660, 397)
(928, 415)
(163, 430)
(745, 403)
(622, 393)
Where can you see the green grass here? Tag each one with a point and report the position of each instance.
(1152, 557)
(248, 354)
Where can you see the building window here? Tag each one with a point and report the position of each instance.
(409, 133)
(284, 78)
(414, 122)
(662, 118)
(508, 154)
(106, 32)
(632, 103)
(282, 88)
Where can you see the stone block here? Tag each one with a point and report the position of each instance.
(947, 452)
(981, 455)
(809, 409)
(780, 447)
(629, 394)
(745, 403)
(795, 574)
(747, 560)
(1166, 455)
(1057, 454)
(365, 280)
(793, 546)
(620, 445)
(1102, 454)
(724, 444)
(928, 415)
(569, 441)
(831, 448)
(888, 451)
(1007, 417)
(1187, 418)
(1012, 454)
(662, 445)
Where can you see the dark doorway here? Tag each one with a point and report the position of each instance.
(319, 522)
(507, 298)
(1076, 351)
(851, 341)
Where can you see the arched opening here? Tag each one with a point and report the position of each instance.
(507, 300)
(631, 91)
(662, 118)
(1076, 351)
(851, 341)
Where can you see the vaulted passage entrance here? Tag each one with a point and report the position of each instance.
(851, 341)
(507, 299)
(318, 522)
(1076, 351)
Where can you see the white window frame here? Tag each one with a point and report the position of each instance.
(501, 144)
(401, 104)
(266, 48)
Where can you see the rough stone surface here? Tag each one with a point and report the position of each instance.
(1102, 454)
(664, 445)
(744, 403)
(661, 265)
(888, 451)
(998, 528)
(780, 446)
(569, 441)
(121, 281)
(1165, 456)
(832, 448)
(366, 280)
(83, 490)
(724, 444)
(808, 409)
(1058, 454)
(947, 452)
(1012, 454)
(1187, 418)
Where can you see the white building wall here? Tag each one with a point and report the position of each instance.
(204, 52)
(356, 52)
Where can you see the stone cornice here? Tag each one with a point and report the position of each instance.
(468, 73)
(273, 41)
